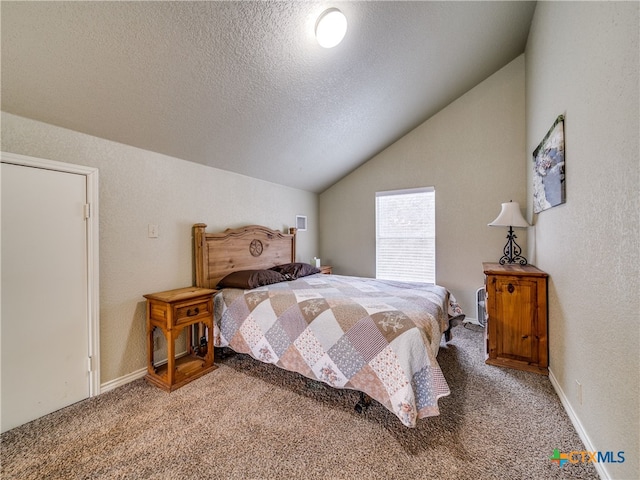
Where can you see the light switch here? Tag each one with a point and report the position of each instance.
(153, 231)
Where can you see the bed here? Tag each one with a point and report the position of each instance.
(378, 337)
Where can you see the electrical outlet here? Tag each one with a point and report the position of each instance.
(153, 231)
(579, 392)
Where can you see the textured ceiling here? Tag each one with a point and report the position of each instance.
(244, 86)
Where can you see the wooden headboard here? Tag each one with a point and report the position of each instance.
(245, 248)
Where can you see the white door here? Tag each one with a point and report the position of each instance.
(44, 317)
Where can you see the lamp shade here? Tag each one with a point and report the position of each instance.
(510, 216)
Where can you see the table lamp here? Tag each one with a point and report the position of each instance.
(510, 216)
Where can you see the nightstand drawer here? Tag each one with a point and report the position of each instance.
(187, 312)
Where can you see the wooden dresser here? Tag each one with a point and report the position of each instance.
(516, 304)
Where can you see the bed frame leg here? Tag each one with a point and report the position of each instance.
(363, 403)
(447, 334)
(223, 352)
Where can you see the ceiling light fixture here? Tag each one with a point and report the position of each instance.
(331, 28)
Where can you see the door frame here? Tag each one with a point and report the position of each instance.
(93, 258)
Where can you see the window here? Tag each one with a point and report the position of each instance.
(406, 235)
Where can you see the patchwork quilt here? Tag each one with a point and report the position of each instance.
(375, 336)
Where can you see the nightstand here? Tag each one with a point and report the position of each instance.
(326, 269)
(171, 312)
(516, 303)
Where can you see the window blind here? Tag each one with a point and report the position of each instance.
(406, 235)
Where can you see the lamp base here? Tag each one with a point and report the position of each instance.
(512, 251)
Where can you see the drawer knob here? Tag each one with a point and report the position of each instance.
(193, 313)
(511, 288)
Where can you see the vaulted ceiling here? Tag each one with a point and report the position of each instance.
(244, 86)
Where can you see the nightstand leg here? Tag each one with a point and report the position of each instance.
(150, 344)
(171, 357)
(209, 331)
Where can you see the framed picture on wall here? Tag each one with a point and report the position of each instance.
(549, 169)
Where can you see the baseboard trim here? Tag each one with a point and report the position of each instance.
(577, 424)
(118, 382)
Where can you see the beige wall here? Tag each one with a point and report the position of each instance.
(138, 188)
(582, 61)
(473, 153)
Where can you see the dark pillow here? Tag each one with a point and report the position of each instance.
(251, 279)
(295, 270)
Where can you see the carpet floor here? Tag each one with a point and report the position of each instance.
(256, 421)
